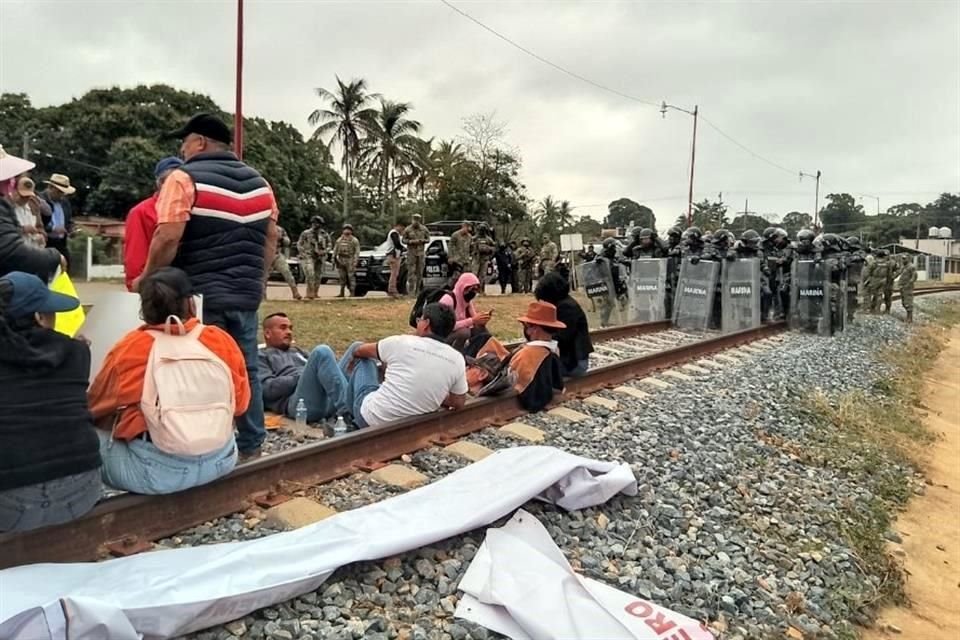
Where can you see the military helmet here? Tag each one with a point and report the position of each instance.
(483, 227)
(692, 233)
(853, 241)
(347, 227)
(545, 237)
(830, 240)
(708, 237)
(780, 232)
(750, 238)
(805, 235)
(646, 232)
(524, 240)
(675, 231)
(723, 236)
(317, 220)
(610, 247)
(768, 232)
(635, 232)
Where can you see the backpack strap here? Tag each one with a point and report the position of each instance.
(177, 321)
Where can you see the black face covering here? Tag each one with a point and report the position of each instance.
(469, 295)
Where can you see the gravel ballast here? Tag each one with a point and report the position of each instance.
(730, 526)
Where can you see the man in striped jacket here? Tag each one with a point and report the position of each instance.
(217, 221)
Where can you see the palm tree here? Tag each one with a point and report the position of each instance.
(548, 214)
(448, 157)
(565, 215)
(346, 121)
(419, 169)
(391, 143)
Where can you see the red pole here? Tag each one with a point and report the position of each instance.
(238, 115)
(693, 158)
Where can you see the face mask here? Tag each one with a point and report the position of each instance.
(469, 295)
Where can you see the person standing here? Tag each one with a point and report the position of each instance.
(524, 258)
(59, 225)
(485, 246)
(461, 247)
(504, 258)
(416, 236)
(29, 210)
(888, 284)
(280, 264)
(312, 251)
(548, 254)
(217, 221)
(395, 251)
(346, 251)
(141, 222)
(906, 278)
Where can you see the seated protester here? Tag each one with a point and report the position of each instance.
(49, 463)
(574, 340)
(166, 397)
(423, 373)
(534, 369)
(287, 374)
(469, 321)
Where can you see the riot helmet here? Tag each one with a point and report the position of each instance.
(723, 237)
(768, 233)
(609, 248)
(692, 234)
(750, 238)
(854, 242)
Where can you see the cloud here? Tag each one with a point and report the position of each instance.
(869, 93)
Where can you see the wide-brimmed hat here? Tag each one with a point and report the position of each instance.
(11, 166)
(31, 295)
(542, 314)
(61, 183)
(26, 187)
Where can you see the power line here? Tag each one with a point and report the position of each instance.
(540, 58)
(753, 153)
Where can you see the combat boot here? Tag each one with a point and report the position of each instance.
(909, 315)
(342, 287)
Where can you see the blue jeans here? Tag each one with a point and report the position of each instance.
(361, 382)
(243, 327)
(578, 371)
(140, 467)
(49, 503)
(322, 386)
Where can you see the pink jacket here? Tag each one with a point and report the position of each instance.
(465, 311)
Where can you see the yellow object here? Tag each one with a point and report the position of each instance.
(68, 322)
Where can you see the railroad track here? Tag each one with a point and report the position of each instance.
(128, 523)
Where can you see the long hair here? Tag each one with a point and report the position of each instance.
(13, 345)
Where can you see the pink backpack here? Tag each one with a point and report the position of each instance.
(188, 397)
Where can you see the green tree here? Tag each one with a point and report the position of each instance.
(707, 215)
(842, 214)
(796, 220)
(743, 222)
(391, 142)
(548, 215)
(587, 227)
(346, 120)
(565, 215)
(127, 177)
(623, 212)
(16, 111)
(905, 209)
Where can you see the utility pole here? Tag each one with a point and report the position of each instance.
(693, 152)
(816, 197)
(238, 115)
(877, 198)
(26, 146)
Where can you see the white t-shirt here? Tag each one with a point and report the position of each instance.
(421, 372)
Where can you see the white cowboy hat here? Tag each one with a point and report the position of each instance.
(11, 166)
(62, 183)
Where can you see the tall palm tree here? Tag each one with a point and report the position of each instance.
(448, 157)
(419, 170)
(548, 213)
(346, 120)
(391, 143)
(565, 215)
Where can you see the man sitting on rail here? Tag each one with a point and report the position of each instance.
(167, 394)
(288, 374)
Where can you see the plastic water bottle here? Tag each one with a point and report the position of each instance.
(340, 427)
(301, 413)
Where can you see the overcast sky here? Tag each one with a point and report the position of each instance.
(867, 92)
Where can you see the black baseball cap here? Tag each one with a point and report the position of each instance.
(206, 125)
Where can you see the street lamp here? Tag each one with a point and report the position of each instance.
(877, 198)
(693, 152)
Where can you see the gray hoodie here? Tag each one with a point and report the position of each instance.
(280, 371)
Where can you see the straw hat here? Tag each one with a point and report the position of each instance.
(62, 183)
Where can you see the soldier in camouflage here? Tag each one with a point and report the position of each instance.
(780, 268)
(461, 247)
(416, 237)
(346, 251)
(548, 254)
(750, 247)
(525, 257)
(856, 263)
(888, 284)
(831, 252)
(906, 278)
(875, 275)
(484, 248)
(280, 263)
(312, 250)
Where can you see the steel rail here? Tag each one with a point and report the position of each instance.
(132, 520)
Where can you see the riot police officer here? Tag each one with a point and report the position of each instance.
(608, 254)
(648, 245)
(831, 252)
(750, 247)
(855, 258)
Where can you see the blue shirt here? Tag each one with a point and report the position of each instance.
(57, 220)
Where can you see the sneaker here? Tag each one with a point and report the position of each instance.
(246, 456)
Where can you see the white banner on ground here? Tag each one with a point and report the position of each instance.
(520, 585)
(167, 593)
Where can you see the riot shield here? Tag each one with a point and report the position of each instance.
(740, 302)
(854, 276)
(598, 285)
(809, 297)
(693, 299)
(647, 290)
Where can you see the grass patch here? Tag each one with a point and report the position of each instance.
(879, 437)
(338, 323)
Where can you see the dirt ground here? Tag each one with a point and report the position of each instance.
(930, 527)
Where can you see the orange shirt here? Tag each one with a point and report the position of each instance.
(116, 392)
(178, 195)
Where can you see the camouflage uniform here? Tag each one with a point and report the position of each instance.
(345, 253)
(280, 263)
(888, 285)
(416, 238)
(875, 276)
(525, 258)
(484, 246)
(548, 255)
(312, 249)
(461, 248)
(906, 277)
